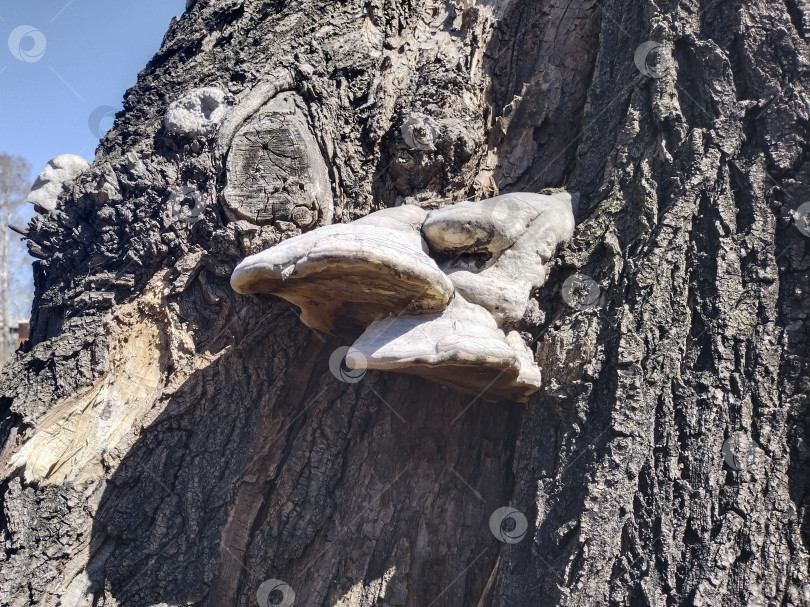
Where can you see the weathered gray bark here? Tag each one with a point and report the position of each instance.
(168, 442)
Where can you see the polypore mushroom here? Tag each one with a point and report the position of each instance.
(448, 323)
(51, 181)
(460, 347)
(345, 276)
(520, 232)
(405, 217)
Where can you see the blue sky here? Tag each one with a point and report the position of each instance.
(63, 65)
(93, 50)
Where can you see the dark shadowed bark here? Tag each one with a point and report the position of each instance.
(169, 442)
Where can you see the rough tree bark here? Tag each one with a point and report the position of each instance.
(168, 442)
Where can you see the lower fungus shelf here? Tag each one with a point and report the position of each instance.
(460, 347)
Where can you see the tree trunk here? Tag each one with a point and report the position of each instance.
(169, 442)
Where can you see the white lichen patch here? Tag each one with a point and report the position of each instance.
(51, 181)
(196, 113)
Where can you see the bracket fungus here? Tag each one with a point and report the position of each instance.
(460, 347)
(344, 276)
(447, 320)
(521, 232)
(51, 181)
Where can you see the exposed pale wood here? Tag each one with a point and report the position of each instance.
(275, 171)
